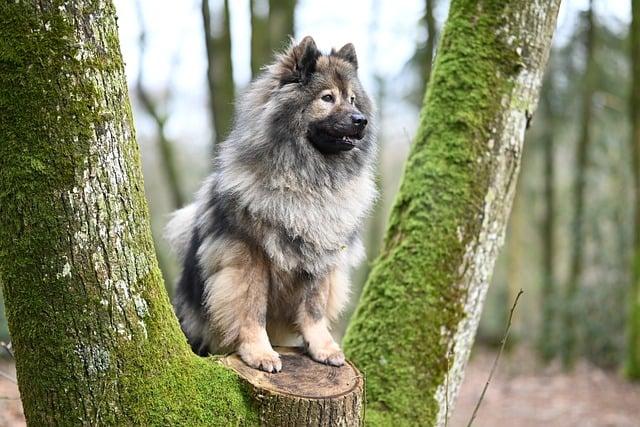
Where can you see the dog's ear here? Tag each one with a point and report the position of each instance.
(307, 55)
(348, 53)
(299, 62)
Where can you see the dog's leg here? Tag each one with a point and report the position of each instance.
(314, 325)
(236, 299)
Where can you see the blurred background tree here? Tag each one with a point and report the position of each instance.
(272, 23)
(633, 353)
(217, 37)
(569, 324)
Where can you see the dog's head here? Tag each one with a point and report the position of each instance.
(335, 108)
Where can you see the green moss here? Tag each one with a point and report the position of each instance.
(95, 338)
(412, 300)
(632, 365)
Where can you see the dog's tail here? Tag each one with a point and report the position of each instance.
(179, 229)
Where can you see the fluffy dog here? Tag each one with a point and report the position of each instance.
(267, 244)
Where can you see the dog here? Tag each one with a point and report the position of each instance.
(267, 245)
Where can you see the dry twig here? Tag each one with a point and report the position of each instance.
(495, 362)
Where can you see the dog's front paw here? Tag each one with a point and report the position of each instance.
(264, 359)
(329, 354)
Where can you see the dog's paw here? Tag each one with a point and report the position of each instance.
(329, 354)
(265, 360)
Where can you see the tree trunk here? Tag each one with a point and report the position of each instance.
(546, 345)
(633, 356)
(272, 23)
(569, 327)
(95, 338)
(306, 393)
(217, 36)
(415, 323)
(260, 50)
(426, 58)
(281, 23)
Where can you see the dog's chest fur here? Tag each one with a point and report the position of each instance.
(302, 227)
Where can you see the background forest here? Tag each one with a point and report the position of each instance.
(570, 239)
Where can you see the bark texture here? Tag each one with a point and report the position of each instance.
(569, 326)
(416, 321)
(217, 34)
(633, 357)
(95, 338)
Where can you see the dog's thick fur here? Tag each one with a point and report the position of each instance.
(267, 244)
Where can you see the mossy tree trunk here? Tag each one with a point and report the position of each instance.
(217, 36)
(95, 338)
(633, 356)
(569, 324)
(416, 321)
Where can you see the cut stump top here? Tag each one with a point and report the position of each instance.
(301, 376)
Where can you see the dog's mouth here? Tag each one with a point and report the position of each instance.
(328, 143)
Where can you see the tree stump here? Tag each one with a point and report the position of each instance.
(305, 392)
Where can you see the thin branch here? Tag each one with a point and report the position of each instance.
(495, 362)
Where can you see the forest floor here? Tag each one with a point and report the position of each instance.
(521, 394)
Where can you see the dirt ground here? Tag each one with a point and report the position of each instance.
(521, 394)
(524, 394)
(10, 406)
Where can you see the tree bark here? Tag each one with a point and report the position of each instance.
(306, 393)
(633, 356)
(95, 338)
(217, 35)
(415, 323)
(569, 326)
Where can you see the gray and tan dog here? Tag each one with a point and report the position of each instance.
(267, 244)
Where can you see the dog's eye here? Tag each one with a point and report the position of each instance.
(327, 98)
(352, 100)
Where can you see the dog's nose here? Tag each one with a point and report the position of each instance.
(359, 120)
